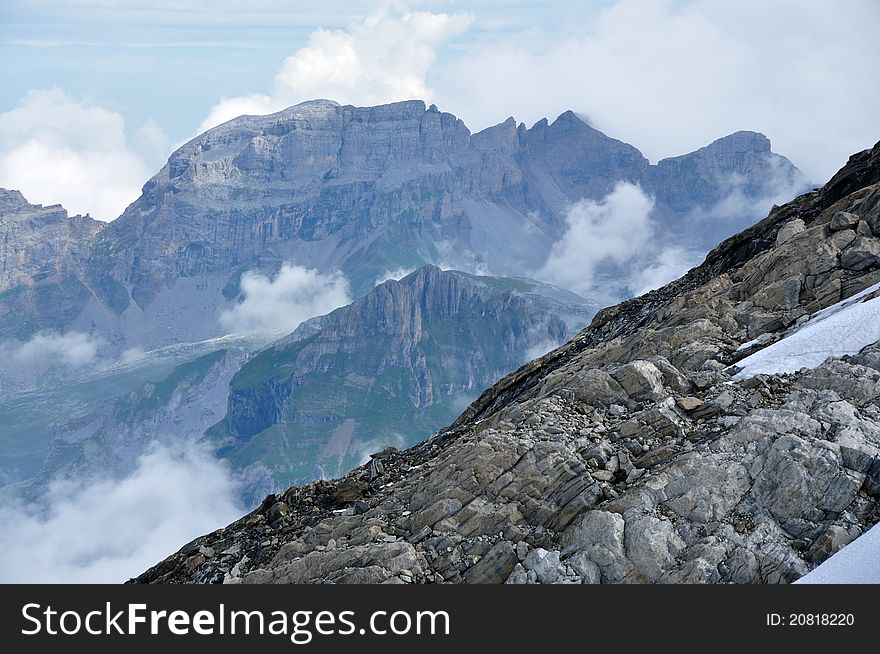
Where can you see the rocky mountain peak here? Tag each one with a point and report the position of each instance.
(398, 361)
(742, 141)
(40, 259)
(314, 109)
(399, 307)
(11, 200)
(569, 117)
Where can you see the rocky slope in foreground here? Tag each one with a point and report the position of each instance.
(631, 454)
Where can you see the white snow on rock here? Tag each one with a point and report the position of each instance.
(763, 338)
(844, 328)
(857, 563)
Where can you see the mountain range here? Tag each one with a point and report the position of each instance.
(428, 238)
(359, 190)
(399, 362)
(721, 429)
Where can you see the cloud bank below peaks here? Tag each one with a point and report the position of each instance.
(613, 248)
(104, 530)
(613, 231)
(280, 304)
(48, 357)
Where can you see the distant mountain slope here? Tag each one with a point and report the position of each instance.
(386, 370)
(638, 452)
(366, 190)
(41, 251)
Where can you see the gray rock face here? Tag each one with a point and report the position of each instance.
(41, 250)
(738, 151)
(708, 173)
(641, 380)
(347, 177)
(863, 253)
(869, 210)
(369, 189)
(789, 230)
(672, 472)
(843, 220)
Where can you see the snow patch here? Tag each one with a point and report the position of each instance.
(763, 338)
(844, 328)
(857, 563)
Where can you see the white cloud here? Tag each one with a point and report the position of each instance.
(56, 149)
(614, 231)
(384, 57)
(741, 206)
(102, 530)
(670, 264)
(670, 77)
(179, 5)
(451, 256)
(151, 143)
(540, 349)
(397, 273)
(281, 304)
(48, 358)
(52, 349)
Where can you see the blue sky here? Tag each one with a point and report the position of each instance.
(96, 93)
(171, 61)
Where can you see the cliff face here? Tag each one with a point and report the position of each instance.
(643, 450)
(366, 190)
(385, 370)
(40, 257)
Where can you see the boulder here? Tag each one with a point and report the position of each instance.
(672, 376)
(545, 565)
(641, 380)
(651, 544)
(599, 536)
(689, 403)
(861, 255)
(495, 567)
(843, 220)
(789, 230)
(597, 387)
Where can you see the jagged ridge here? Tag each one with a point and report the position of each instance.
(366, 190)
